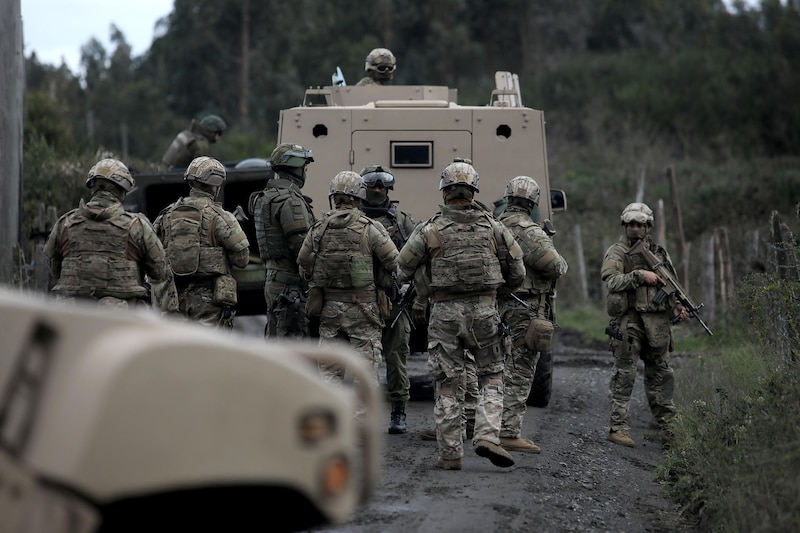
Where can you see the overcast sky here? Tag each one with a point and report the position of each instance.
(57, 29)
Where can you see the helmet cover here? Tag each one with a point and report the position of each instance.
(349, 183)
(459, 172)
(637, 212)
(206, 170)
(523, 187)
(112, 170)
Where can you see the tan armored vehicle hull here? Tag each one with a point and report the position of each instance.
(416, 131)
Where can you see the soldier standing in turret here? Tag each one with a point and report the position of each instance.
(470, 255)
(283, 216)
(379, 67)
(377, 206)
(203, 242)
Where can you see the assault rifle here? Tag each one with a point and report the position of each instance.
(671, 284)
(406, 300)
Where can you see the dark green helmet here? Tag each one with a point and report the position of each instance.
(290, 155)
(214, 124)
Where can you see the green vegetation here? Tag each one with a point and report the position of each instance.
(735, 462)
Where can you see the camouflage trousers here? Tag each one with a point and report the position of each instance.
(659, 380)
(197, 304)
(520, 366)
(456, 326)
(395, 353)
(356, 324)
(285, 319)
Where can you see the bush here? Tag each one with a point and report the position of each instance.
(734, 462)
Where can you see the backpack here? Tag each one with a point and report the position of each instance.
(183, 245)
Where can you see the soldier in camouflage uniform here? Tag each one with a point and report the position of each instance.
(527, 311)
(194, 142)
(399, 224)
(379, 67)
(101, 252)
(337, 260)
(283, 217)
(469, 255)
(203, 242)
(645, 326)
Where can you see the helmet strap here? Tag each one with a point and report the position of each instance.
(297, 175)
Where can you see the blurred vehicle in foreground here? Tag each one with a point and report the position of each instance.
(126, 421)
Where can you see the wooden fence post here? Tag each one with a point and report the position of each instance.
(683, 248)
(581, 264)
(725, 268)
(707, 269)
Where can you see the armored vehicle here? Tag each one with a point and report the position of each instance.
(415, 131)
(126, 421)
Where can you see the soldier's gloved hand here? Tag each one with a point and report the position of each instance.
(419, 311)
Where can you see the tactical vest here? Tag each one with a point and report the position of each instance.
(641, 298)
(468, 261)
(264, 206)
(178, 151)
(392, 219)
(191, 247)
(96, 262)
(343, 256)
(523, 228)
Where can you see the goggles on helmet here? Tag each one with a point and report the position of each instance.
(385, 68)
(378, 179)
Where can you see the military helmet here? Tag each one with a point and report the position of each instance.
(349, 183)
(380, 59)
(290, 155)
(214, 124)
(112, 170)
(206, 170)
(373, 175)
(459, 172)
(523, 187)
(637, 212)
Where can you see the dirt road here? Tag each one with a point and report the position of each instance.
(580, 481)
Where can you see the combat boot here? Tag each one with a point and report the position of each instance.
(621, 437)
(448, 464)
(397, 419)
(518, 444)
(496, 454)
(428, 434)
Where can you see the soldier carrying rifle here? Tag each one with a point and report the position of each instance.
(644, 321)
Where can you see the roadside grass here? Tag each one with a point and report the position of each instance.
(590, 321)
(735, 460)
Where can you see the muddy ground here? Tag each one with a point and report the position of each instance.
(580, 481)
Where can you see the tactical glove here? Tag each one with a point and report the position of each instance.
(419, 311)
